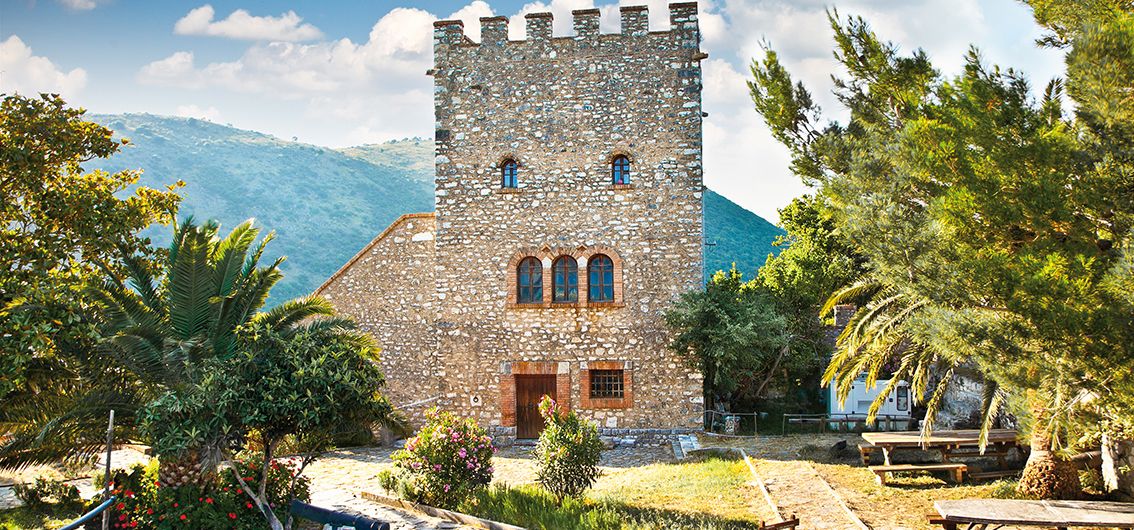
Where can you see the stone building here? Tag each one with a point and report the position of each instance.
(568, 216)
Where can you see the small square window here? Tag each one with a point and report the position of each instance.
(607, 384)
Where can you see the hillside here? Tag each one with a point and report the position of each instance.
(322, 204)
(325, 204)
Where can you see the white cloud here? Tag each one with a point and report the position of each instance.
(193, 111)
(244, 26)
(79, 5)
(30, 74)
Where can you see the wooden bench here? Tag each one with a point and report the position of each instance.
(782, 525)
(956, 471)
(866, 451)
(983, 513)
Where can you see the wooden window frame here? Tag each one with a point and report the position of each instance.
(620, 174)
(506, 165)
(601, 286)
(624, 402)
(572, 266)
(533, 285)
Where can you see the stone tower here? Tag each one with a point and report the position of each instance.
(543, 269)
(562, 108)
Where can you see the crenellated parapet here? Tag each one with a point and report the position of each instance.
(684, 30)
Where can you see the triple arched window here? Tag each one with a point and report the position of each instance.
(596, 282)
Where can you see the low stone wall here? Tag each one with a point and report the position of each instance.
(506, 436)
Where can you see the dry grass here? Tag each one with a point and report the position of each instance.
(722, 488)
(908, 498)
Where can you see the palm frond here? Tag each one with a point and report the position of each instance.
(229, 255)
(294, 311)
(992, 400)
(190, 286)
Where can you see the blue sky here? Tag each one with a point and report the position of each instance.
(347, 73)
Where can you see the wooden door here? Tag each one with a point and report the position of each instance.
(530, 389)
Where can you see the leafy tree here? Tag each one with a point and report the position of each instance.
(991, 222)
(308, 381)
(61, 229)
(816, 261)
(733, 333)
(157, 330)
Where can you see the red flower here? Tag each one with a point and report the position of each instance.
(231, 515)
(175, 505)
(121, 506)
(183, 517)
(122, 517)
(248, 504)
(149, 511)
(209, 500)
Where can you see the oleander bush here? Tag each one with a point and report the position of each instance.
(448, 461)
(567, 453)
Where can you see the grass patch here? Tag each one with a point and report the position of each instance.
(23, 518)
(709, 495)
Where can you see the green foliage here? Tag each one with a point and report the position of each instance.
(567, 453)
(535, 508)
(233, 174)
(816, 261)
(733, 333)
(61, 230)
(448, 461)
(991, 222)
(221, 504)
(44, 494)
(159, 325)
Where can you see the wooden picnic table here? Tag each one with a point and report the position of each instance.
(980, 513)
(945, 441)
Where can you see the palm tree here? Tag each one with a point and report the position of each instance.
(157, 330)
(895, 324)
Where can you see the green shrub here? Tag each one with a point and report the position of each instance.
(143, 505)
(567, 453)
(448, 460)
(45, 493)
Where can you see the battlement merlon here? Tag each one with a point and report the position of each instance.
(448, 34)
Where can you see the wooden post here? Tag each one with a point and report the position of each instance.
(106, 488)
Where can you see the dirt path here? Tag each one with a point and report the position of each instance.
(798, 489)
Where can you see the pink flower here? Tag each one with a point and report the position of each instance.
(446, 488)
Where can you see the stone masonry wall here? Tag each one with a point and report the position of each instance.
(563, 107)
(388, 288)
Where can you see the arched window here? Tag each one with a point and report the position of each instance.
(565, 279)
(600, 279)
(529, 281)
(508, 174)
(620, 169)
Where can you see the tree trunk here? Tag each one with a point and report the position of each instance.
(184, 470)
(1046, 475)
